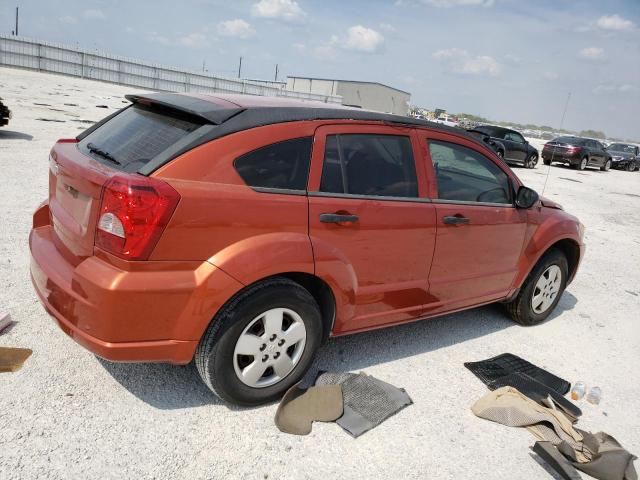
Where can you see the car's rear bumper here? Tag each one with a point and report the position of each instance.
(154, 313)
(561, 158)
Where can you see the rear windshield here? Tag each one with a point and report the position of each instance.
(486, 130)
(622, 147)
(570, 140)
(136, 135)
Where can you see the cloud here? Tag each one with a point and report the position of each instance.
(592, 53)
(614, 22)
(387, 27)
(462, 62)
(550, 75)
(94, 14)
(299, 47)
(362, 39)
(357, 39)
(451, 3)
(236, 28)
(609, 88)
(287, 10)
(194, 40)
(326, 52)
(68, 19)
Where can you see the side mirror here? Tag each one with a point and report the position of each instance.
(526, 197)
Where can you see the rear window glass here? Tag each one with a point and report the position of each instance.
(366, 164)
(281, 165)
(136, 135)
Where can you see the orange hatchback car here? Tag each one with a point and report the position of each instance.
(241, 232)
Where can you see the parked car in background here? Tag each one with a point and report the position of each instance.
(508, 144)
(447, 120)
(5, 114)
(624, 156)
(577, 152)
(242, 232)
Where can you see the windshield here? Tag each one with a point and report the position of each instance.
(622, 147)
(135, 136)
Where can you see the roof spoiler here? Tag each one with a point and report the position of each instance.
(204, 110)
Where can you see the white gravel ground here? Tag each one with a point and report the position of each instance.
(68, 414)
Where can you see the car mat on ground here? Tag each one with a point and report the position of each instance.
(11, 359)
(299, 408)
(367, 401)
(556, 461)
(5, 321)
(506, 363)
(599, 455)
(609, 459)
(536, 391)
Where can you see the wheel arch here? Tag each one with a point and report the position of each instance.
(569, 247)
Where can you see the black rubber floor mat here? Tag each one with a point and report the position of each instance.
(507, 363)
(556, 461)
(536, 391)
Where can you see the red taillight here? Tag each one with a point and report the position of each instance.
(573, 149)
(133, 213)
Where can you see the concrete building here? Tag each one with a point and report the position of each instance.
(367, 95)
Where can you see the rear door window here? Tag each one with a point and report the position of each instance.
(369, 164)
(283, 165)
(136, 135)
(465, 175)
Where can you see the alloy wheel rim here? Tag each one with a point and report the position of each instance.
(546, 289)
(269, 347)
(583, 164)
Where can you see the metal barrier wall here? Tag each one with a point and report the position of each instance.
(31, 54)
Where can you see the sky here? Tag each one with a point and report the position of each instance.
(509, 60)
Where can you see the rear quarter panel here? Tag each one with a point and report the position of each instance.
(246, 233)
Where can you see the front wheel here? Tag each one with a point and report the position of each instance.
(260, 343)
(532, 161)
(606, 167)
(541, 291)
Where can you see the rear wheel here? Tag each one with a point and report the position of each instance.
(541, 291)
(583, 164)
(532, 161)
(606, 167)
(546, 161)
(260, 343)
(500, 153)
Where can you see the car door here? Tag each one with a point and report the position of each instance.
(480, 233)
(371, 225)
(595, 156)
(516, 145)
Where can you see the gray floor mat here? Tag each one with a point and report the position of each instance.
(367, 401)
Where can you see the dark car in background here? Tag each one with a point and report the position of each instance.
(577, 152)
(5, 114)
(624, 156)
(508, 144)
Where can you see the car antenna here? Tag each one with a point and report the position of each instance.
(564, 112)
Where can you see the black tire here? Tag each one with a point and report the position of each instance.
(215, 352)
(606, 167)
(546, 162)
(520, 308)
(500, 153)
(629, 167)
(532, 161)
(582, 164)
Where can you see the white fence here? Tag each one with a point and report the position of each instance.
(31, 54)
